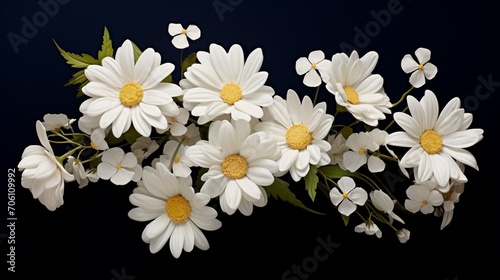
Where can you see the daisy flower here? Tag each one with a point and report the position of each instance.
(423, 197)
(124, 93)
(119, 167)
(350, 197)
(178, 213)
(300, 128)
(351, 81)
(421, 69)
(54, 122)
(435, 139)
(42, 173)
(310, 66)
(239, 163)
(225, 84)
(181, 35)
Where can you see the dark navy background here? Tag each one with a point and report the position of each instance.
(91, 237)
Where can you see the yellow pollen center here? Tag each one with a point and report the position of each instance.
(231, 93)
(118, 166)
(424, 202)
(431, 142)
(184, 31)
(131, 94)
(178, 208)
(345, 195)
(298, 136)
(234, 167)
(176, 159)
(361, 150)
(420, 66)
(93, 146)
(313, 66)
(352, 95)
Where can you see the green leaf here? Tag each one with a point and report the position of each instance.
(130, 136)
(345, 219)
(188, 61)
(346, 131)
(311, 181)
(334, 171)
(106, 47)
(137, 51)
(279, 189)
(77, 60)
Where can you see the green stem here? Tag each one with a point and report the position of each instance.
(402, 97)
(171, 164)
(392, 122)
(316, 95)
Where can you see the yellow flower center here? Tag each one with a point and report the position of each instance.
(231, 93)
(177, 159)
(424, 202)
(352, 95)
(234, 167)
(118, 166)
(313, 66)
(361, 150)
(131, 94)
(178, 208)
(298, 136)
(184, 31)
(420, 66)
(345, 195)
(431, 142)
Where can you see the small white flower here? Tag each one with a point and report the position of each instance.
(143, 147)
(181, 35)
(350, 197)
(178, 123)
(239, 163)
(423, 197)
(370, 228)
(309, 66)
(300, 128)
(336, 153)
(180, 164)
(421, 70)
(403, 235)
(76, 168)
(450, 199)
(359, 145)
(176, 211)
(53, 122)
(119, 167)
(98, 140)
(42, 173)
(383, 202)
(190, 137)
(224, 84)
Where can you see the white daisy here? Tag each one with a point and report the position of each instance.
(310, 66)
(351, 196)
(423, 197)
(435, 139)
(176, 211)
(181, 35)
(124, 93)
(351, 80)
(53, 122)
(225, 84)
(239, 163)
(300, 129)
(42, 173)
(119, 167)
(421, 70)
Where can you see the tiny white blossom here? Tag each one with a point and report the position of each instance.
(310, 66)
(370, 228)
(350, 197)
(53, 122)
(423, 197)
(119, 167)
(421, 69)
(75, 167)
(143, 147)
(181, 35)
(403, 235)
(383, 202)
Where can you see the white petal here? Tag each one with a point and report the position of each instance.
(408, 64)
(180, 41)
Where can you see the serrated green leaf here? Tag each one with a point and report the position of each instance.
(334, 171)
(311, 181)
(78, 78)
(106, 47)
(279, 189)
(76, 60)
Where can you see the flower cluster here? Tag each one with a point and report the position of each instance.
(221, 133)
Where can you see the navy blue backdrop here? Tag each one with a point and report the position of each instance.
(91, 237)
